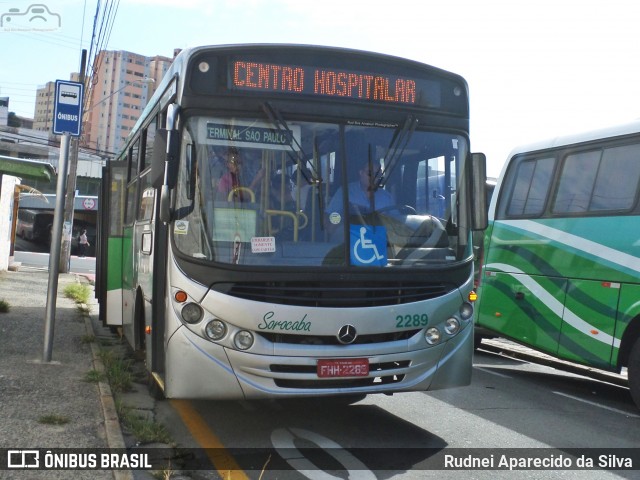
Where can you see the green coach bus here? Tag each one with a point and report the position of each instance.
(561, 269)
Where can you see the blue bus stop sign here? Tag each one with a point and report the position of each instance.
(67, 110)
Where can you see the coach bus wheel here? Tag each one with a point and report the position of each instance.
(154, 389)
(633, 370)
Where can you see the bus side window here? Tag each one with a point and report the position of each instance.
(530, 187)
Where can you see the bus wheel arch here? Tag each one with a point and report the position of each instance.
(633, 371)
(628, 341)
(630, 357)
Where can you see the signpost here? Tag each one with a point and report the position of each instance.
(67, 109)
(67, 121)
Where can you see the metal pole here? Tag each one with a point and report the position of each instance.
(54, 254)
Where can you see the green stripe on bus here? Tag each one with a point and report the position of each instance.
(114, 263)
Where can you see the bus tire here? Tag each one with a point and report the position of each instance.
(633, 371)
(154, 389)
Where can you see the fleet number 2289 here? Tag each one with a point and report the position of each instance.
(416, 320)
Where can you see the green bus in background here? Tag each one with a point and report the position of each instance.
(561, 269)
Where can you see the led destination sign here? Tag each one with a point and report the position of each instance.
(348, 84)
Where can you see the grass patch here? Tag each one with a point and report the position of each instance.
(164, 474)
(78, 292)
(87, 339)
(53, 419)
(94, 376)
(83, 308)
(4, 306)
(145, 431)
(117, 370)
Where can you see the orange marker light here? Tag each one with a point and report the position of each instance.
(147, 330)
(473, 296)
(180, 296)
(594, 332)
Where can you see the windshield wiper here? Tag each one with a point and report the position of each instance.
(276, 118)
(396, 147)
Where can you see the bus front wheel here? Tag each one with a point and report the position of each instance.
(633, 370)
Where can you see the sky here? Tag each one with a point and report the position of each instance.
(536, 68)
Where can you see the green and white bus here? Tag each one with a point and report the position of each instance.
(290, 221)
(561, 270)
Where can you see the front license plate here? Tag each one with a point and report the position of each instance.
(351, 367)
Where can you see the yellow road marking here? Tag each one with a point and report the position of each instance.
(223, 461)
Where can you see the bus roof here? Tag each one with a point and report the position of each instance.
(179, 65)
(580, 137)
(618, 130)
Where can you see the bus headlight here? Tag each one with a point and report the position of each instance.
(432, 336)
(243, 340)
(192, 313)
(451, 326)
(466, 311)
(215, 329)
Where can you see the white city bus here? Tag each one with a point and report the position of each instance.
(290, 221)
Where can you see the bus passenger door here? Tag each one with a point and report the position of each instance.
(526, 308)
(588, 323)
(110, 241)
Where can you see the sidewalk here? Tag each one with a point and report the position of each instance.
(31, 391)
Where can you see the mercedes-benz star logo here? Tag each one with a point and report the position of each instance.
(347, 334)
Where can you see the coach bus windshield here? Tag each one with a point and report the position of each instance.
(304, 193)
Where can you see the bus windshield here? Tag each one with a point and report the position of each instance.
(254, 191)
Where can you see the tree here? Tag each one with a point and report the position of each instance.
(14, 120)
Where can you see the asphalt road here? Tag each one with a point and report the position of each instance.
(86, 265)
(511, 404)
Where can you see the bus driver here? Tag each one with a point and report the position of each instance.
(363, 193)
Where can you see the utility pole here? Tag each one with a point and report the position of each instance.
(65, 250)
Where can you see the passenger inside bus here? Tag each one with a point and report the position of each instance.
(216, 166)
(234, 184)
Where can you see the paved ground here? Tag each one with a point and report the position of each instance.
(33, 392)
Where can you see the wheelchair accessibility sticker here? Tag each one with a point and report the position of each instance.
(368, 245)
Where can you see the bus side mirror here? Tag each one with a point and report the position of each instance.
(478, 192)
(166, 152)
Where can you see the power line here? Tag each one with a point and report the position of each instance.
(55, 142)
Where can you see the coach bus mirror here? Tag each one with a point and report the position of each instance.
(478, 191)
(164, 212)
(158, 158)
(166, 150)
(173, 158)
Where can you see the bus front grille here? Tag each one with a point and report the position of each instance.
(336, 294)
(340, 383)
(283, 338)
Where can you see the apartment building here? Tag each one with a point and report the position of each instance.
(121, 85)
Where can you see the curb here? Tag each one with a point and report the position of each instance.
(115, 439)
